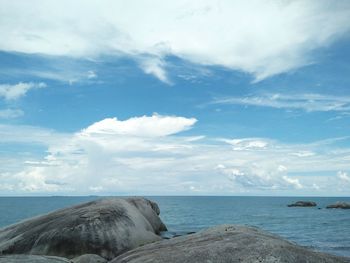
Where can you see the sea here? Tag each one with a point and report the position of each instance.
(318, 228)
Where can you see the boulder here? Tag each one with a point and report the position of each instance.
(32, 259)
(342, 205)
(303, 204)
(89, 258)
(224, 244)
(106, 227)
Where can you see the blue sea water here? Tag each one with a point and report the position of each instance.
(323, 229)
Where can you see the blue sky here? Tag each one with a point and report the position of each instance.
(188, 98)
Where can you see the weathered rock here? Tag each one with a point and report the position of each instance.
(32, 259)
(106, 227)
(342, 205)
(303, 204)
(89, 258)
(224, 244)
(169, 234)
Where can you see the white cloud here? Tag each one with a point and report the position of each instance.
(315, 186)
(303, 153)
(261, 38)
(115, 157)
(13, 92)
(259, 176)
(247, 144)
(96, 188)
(343, 176)
(293, 181)
(153, 126)
(91, 74)
(11, 113)
(30, 135)
(305, 102)
(155, 66)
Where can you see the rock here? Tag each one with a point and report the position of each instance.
(342, 205)
(303, 204)
(224, 244)
(169, 234)
(106, 227)
(89, 258)
(32, 259)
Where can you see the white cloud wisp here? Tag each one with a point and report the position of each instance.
(305, 102)
(12, 92)
(10, 113)
(261, 38)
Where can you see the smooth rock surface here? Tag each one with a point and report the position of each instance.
(32, 259)
(303, 204)
(89, 258)
(224, 244)
(106, 227)
(341, 205)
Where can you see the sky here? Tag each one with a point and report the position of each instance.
(102, 97)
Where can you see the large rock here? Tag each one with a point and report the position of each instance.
(106, 227)
(342, 205)
(89, 258)
(32, 259)
(303, 204)
(224, 244)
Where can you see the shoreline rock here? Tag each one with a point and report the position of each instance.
(303, 204)
(32, 259)
(89, 258)
(225, 244)
(106, 227)
(341, 205)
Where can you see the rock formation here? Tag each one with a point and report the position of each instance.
(303, 204)
(89, 258)
(106, 227)
(342, 205)
(226, 244)
(32, 259)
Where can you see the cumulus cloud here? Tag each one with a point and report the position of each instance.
(305, 102)
(261, 38)
(115, 157)
(13, 92)
(257, 176)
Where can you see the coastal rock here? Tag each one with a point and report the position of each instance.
(89, 258)
(224, 244)
(32, 259)
(342, 205)
(303, 204)
(106, 227)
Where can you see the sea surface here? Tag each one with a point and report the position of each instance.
(322, 229)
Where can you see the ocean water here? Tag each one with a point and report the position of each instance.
(323, 229)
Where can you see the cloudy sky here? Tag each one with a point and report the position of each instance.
(175, 97)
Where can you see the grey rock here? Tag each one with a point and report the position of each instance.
(226, 244)
(106, 227)
(32, 259)
(342, 205)
(303, 204)
(169, 234)
(89, 258)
